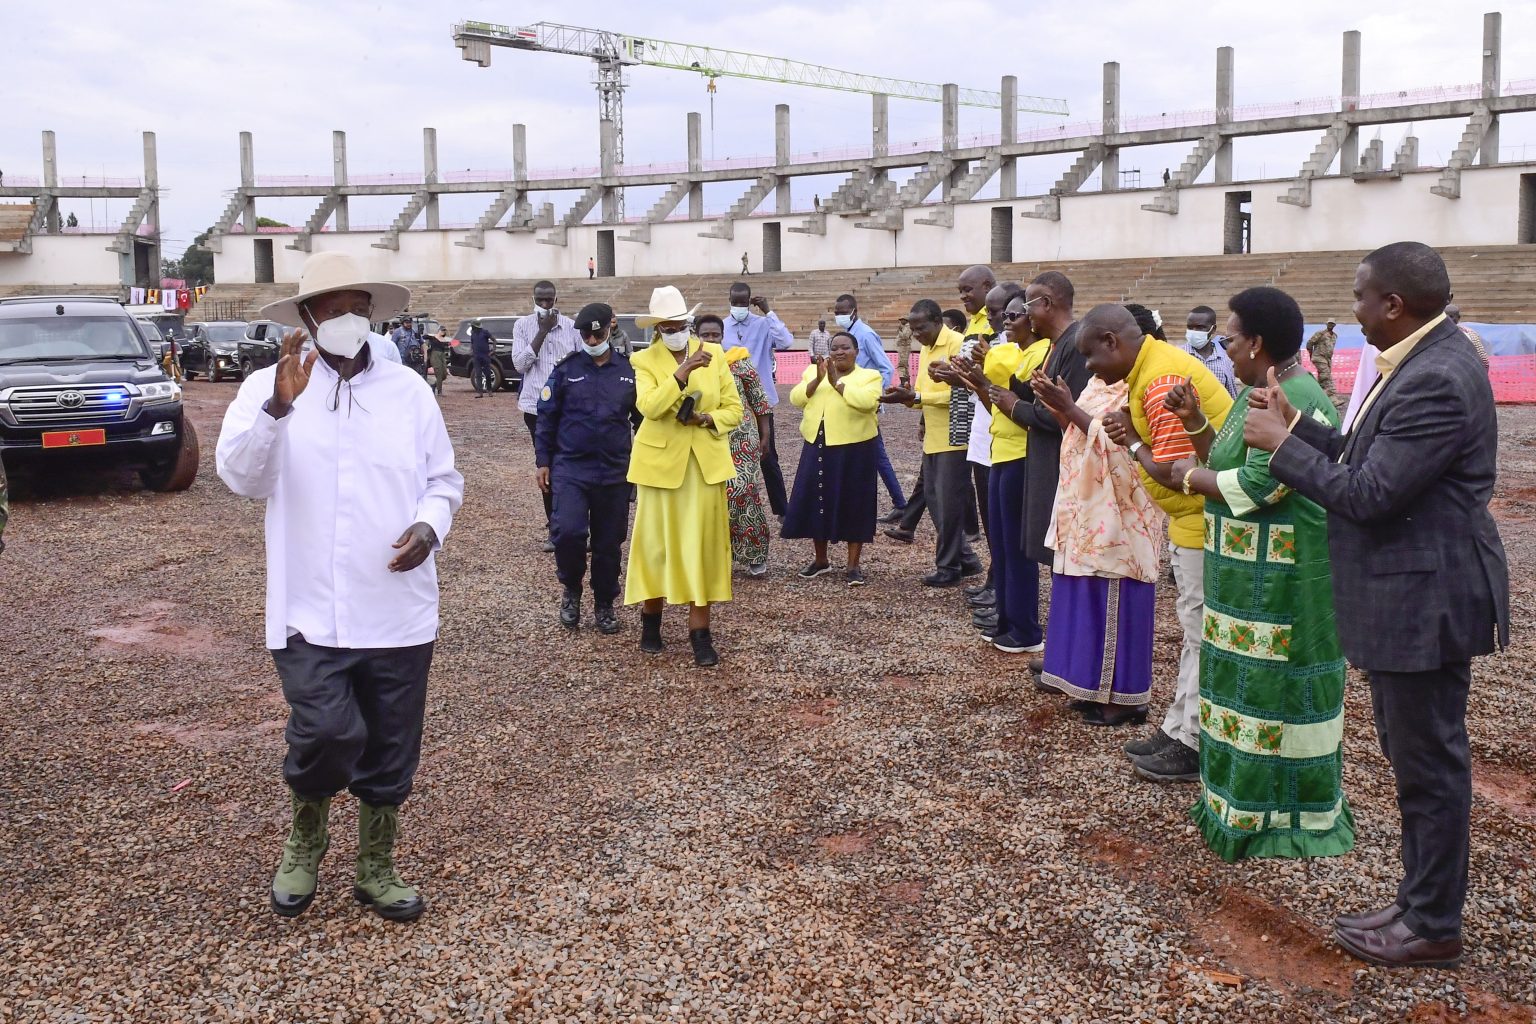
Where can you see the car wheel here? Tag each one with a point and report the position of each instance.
(246, 367)
(176, 474)
(213, 371)
(498, 381)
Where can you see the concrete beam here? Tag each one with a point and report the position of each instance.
(782, 203)
(1224, 100)
(1493, 27)
(1008, 173)
(339, 176)
(248, 182)
(695, 165)
(1349, 99)
(1109, 170)
(429, 172)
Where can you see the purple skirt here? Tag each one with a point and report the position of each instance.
(1098, 640)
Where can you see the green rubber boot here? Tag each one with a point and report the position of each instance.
(293, 887)
(378, 884)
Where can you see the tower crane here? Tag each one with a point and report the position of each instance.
(615, 51)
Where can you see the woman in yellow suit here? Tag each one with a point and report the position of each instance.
(680, 550)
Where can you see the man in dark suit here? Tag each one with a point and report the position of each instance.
(1419, 576)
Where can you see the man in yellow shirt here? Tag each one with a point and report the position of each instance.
(944, 470)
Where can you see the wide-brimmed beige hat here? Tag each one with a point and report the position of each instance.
(667, 303)
(337, 272)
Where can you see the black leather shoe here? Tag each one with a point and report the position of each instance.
(899, 535)
(941, 577)
(607, 621)
(1112, 715)
(570, 609)
(973, 569)
(892, 517)
(1149, 744)
(987, 598)
(1371, 919)
(549, 546)
(1396, 945)
(704, 654)
(650, 633)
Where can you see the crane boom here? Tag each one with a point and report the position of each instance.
(475, 38)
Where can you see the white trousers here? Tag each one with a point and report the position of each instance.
(1183, 719)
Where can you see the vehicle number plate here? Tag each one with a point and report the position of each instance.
(73, 438)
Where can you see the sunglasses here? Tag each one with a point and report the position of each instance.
(673, 330)
(1011, 315)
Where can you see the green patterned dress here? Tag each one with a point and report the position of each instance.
(1271, 672)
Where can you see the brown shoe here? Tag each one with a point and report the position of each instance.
(1395, 945)
(1371, 919)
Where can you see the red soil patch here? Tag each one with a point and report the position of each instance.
(200, 736)
(845, 845)
(900, 682)
(151, 626)
(812, 714)
(1117, 852)
(905, 892)
(1482, 1008)
(1507, 789)
(1258, 939)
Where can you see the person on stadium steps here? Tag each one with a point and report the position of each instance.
(835, 494)
(350, 453)
(582, 447)
(750, 533)
(591, 268)
(1271, 672)
(1119, 350)
(1320, 349)
(1202, 342)
(872, 356)
(1420, 579)
(945, 479)
(540, 340)
(817, 341)
(752, 325)
(681, 549)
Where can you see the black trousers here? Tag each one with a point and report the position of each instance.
(549, 498)
(480, 373)
(773, 476)
(945, 483)
(354, 719)
(917, 504)
(585, 509)
(1421, 722)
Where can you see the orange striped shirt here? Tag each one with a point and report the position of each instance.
(1168, 442)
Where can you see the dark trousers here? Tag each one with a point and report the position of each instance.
(585, 509)
(480, 375)
(1014, 576)
(773, 476)
(1421, 722)
(917, 504)
(549, 500)
(888, 474)
(354, 719)
(945, 481)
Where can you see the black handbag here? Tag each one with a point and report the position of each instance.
(685, 410)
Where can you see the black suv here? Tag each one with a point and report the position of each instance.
(80, 384)
(259, 347)
(213, 350)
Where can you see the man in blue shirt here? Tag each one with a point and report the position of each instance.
(1202, 342)
(480, 342)
(582, 438)
(872, 357)
(408, 343)
(762, 334)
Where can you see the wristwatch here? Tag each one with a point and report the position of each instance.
(1134, 447)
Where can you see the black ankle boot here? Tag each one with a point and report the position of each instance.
(703, 648)
(650, 633)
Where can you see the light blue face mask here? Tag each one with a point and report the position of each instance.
(1199, 339)
(845, 320)
(595, 351)
(740, 313)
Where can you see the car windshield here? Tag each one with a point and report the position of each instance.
(149, 328)
(221, 334)
(81, 337)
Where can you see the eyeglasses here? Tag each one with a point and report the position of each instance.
(1009, 316)
(673, 330)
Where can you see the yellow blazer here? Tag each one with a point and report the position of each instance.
(849, 417)
(659, 457)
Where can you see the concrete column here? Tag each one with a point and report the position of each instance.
(152, 215)
(880, 134)
(608, 151)
(51, 179)
(781, 157)
(1349, 100)
(1224, 96)
(1493, 26)
(951, 131)
(429, 172)
(1008, 174)
(695, 165)
(339, 176)
(248, 180)
(1109, 171)
(523, 209)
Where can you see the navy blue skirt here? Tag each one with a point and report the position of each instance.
(834, 497)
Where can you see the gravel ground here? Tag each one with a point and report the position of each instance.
(863, 815)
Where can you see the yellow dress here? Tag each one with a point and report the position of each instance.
(680, 548)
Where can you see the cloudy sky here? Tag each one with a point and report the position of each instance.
(100, 73)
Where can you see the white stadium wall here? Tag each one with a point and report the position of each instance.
(1344, 215)
(61, 260)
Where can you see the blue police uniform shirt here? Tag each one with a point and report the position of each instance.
(587, 418)
(480, 341)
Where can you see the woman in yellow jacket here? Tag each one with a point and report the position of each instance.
(680, 550)
(834, 497)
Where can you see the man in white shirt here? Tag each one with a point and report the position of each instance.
(539, 341)
(353, 460)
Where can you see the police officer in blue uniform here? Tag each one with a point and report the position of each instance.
(586, 421)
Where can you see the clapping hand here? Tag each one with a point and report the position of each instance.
(1119, 427)
(898, 396)
(1003, 399)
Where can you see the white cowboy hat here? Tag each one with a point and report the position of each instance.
(337, 272)
(667, 303)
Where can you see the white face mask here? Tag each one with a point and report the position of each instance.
(595, 351)
(544, 314)
(844, 320)
(675, 342)
(1199, 339)
(740, 313)
(343, 335)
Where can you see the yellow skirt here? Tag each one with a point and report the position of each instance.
(680, 548)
